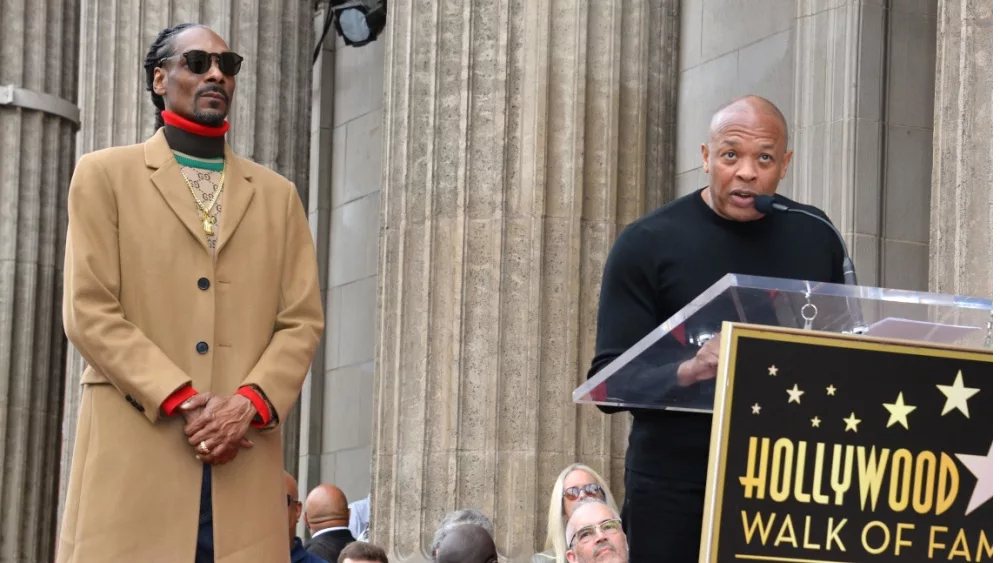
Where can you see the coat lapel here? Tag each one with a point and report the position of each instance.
(238, 192)
(168, 178)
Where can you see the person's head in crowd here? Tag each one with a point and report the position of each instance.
(326, 507)
(362, 552)
(594, 534)
(458, 518)
(746, 155)
(294, 506)
(574, 484)
(467, 543)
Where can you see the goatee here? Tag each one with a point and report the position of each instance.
(209, 119)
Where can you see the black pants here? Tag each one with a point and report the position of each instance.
(205, 552)
(662, 518)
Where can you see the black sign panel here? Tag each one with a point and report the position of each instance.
(837, 449)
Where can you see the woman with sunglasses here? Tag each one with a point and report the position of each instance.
(574, 483)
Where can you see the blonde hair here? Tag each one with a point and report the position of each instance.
(556, 539)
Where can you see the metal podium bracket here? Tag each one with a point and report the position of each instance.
(11, 95)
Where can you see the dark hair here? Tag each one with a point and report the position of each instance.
(363, 551)
(161, 48)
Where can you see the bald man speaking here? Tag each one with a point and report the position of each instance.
(664, 260)
(327, 517)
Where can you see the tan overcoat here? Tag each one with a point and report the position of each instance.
(134, 307)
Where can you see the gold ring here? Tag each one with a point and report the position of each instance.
(203, 446)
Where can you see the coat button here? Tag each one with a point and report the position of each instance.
(201, 347)
(203, 284)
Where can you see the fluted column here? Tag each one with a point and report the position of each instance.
(270, 113)
(518, 141)
(961, 248)
(37, 124)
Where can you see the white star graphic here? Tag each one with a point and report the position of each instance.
(981, 466)
(794, 394)
(755, 408)
(831, 390)
(772, 371)
(958, 396)
(898, 412)
(852, 423)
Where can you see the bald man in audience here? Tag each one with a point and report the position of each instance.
(328, 516)
(467, 543)
(594, 534)
(298, 553)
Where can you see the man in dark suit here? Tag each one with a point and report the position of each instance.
(327, 517)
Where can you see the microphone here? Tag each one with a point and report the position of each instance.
(766, 204)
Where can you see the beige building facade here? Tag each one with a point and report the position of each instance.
(465, 176)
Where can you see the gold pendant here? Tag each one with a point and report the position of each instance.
(207, 223)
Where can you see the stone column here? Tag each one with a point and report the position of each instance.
(861, 153)
(961, 247)
(38, 119)
(270, 114)
(517, 144)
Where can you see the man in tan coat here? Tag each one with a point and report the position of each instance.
(191, 290)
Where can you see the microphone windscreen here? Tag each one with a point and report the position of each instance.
(763, 204)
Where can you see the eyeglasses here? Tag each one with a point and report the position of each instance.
(200, 62)
(588, 534)
(291, 500)
(590, 490)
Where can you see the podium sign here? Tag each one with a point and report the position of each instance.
(839, 448)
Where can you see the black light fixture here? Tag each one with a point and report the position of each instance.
(361, 23)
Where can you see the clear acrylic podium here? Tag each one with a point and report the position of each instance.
(644, 376)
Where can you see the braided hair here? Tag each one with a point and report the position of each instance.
(161, 48)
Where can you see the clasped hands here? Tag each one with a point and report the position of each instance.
(216, 426)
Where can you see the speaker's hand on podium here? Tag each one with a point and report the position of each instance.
(701, 367)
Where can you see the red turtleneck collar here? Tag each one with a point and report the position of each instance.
(174, 120)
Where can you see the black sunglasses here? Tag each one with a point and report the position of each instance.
(199, 62)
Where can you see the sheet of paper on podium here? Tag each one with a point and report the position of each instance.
(921, 331)
(645, 375)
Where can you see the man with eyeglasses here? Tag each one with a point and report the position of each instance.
(191, 290)
(594, 533)
(298, 550)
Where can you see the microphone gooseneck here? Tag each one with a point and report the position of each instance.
(766, 204)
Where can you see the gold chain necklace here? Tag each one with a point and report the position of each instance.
(207, 220)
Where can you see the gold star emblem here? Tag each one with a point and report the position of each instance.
(772, 371)
(898, 411)
(815, 421)
(755, 408)
(794, 394)
(957, 395)
(831, 390)
(852, 423)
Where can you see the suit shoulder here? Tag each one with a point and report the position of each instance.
(115, 155)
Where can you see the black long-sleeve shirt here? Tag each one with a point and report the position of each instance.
(658, 265)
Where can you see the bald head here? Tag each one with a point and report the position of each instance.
(291, 486)
(326, 507)
(467, 543)
(752, 107)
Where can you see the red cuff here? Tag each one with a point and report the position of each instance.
(176, 398)
(258, 403)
